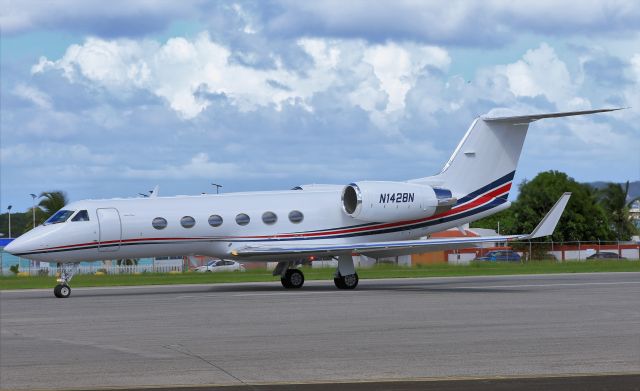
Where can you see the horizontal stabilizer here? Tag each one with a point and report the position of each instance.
(535, 117)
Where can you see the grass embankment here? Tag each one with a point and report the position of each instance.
(380, 271)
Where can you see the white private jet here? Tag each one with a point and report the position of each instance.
(372, 218)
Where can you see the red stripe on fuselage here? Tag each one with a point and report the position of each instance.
(483, 199)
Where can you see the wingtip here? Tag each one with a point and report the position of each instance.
(549, 222)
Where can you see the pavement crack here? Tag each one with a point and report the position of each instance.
(179, 348)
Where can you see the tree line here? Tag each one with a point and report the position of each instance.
(591, 214)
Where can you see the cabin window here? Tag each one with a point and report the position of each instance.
(187, 222)
(159, 223)
(242, 219)
(269, 218)
(215, 220)
(81, 216)
(295, 216)
(59, 217)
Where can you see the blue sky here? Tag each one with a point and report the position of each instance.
(108, 99)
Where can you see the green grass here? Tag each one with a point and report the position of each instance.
(380, 271)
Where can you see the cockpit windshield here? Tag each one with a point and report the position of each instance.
(59, 217)
(81, 216)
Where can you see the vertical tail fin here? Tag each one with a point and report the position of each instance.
(487, 156)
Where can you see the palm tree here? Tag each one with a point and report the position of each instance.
(52, 201)
(614, 199)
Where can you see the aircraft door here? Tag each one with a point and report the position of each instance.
(110, 229)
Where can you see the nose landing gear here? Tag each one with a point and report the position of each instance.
(63, 290)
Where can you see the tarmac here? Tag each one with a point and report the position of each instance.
(561, 331)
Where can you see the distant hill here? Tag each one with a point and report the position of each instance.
(634, 188)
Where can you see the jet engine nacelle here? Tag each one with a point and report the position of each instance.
(394, 201)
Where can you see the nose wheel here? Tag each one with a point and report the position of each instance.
(63, 290)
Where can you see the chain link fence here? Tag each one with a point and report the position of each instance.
(552, 251)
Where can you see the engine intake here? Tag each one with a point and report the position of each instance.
(394, 201)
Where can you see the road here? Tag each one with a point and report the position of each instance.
(258, 333)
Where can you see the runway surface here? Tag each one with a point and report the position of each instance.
(258, 333)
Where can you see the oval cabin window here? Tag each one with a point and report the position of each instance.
(295, 216)
(242, 219)
(215, 220)
(269, 218)
(187, 222)
(159, 223)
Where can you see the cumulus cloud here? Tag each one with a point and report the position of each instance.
(33, 95)
(186, 73)
(199, 166)
(486, 23)
(632, 92)
(280, 93)
(542, 73)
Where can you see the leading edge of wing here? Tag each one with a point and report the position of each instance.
(373, 248)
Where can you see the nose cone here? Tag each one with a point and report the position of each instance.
(12, 247)
(27, 243)
(17, 246)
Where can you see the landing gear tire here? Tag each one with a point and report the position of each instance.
(62, 291)
(346, 282)
(292, 279)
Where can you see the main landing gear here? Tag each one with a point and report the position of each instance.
(345, 282)
(289, 277)
(344, 278)
(292, 279)
(63, 290)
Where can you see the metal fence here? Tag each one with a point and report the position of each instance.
(52, 270)
(558, 251)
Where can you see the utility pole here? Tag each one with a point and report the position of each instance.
(33, 208)
(217, 187)
(9, 210)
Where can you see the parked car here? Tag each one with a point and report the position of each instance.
(222, 265)
(605, 255)
(500, 255)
